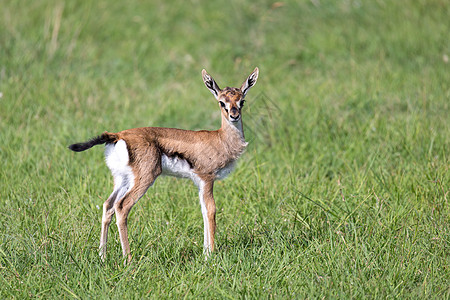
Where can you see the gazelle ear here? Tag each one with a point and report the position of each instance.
(211, 84)
(250, 81)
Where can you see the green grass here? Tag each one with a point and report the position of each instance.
(342, 193)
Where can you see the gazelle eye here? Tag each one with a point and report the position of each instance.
(242, 103)
(223, 106)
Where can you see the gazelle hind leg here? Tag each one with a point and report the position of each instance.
(144, 176)
(122, 208)
(117, 159)
(108, 212)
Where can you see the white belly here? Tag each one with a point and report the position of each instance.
(177, 167)
(224, 172)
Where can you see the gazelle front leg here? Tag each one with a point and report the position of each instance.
(208, 207)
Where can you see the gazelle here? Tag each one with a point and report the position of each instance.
(136, 157)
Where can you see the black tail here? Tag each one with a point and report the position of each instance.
(106, 137)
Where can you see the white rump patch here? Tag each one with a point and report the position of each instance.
(117, 160)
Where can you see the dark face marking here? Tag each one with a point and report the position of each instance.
(234, 111)
(232, 94)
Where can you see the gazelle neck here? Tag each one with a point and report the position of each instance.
(236, 127)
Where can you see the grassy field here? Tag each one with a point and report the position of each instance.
(343, 191)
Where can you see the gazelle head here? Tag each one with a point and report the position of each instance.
(231, 99)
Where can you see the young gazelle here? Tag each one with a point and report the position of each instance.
(136, 157)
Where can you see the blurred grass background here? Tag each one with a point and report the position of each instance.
(343, 191)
